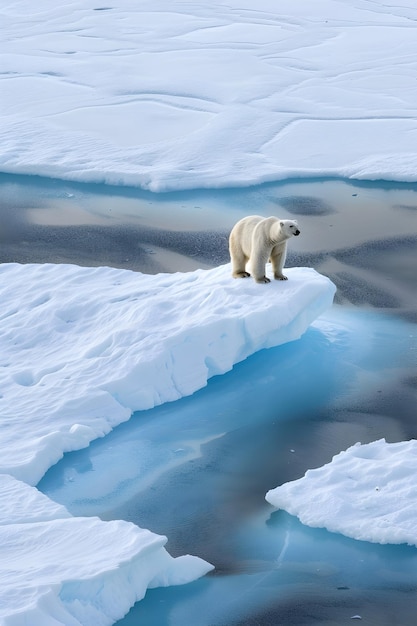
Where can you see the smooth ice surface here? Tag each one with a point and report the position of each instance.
(82, 348)
(58, 569)
(367, 492)
(196, 94)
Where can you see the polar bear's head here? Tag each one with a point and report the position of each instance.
(289, 228)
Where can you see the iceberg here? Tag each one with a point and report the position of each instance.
(366, 492)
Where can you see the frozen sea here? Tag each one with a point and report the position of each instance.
(272, 444)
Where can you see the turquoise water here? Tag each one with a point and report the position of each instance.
(197, 470)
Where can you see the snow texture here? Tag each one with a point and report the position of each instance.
(367, 492)
(179, 95)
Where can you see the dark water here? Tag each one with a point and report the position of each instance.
(197, 470)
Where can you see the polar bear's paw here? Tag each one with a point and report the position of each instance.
(242, 274)
(280, 277)
(264, 279)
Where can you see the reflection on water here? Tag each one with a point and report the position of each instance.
(198, 469)
(314, 578)
(306, 205)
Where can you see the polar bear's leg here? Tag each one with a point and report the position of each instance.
(259, 257)
(238, 267)
(278, 255)
(239, 259)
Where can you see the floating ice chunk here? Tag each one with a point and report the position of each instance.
(57, 569)
(82, 348)
(368, 492)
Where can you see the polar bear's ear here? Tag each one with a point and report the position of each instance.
(281, 224)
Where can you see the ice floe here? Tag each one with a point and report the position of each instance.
(193, 94)
(58, 569)
(82, 348)
(367, 492)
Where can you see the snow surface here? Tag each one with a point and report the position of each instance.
(82, 348)
(178, 95)
(367, 492)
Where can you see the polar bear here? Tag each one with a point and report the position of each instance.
(258, 239)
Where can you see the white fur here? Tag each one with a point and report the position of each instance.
(256, 240)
